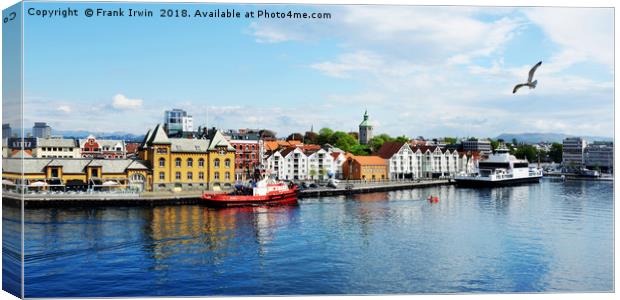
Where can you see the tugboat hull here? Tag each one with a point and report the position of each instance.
(275, 198)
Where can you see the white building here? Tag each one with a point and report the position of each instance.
(56, 148)
(403, 162)
(294, 163)
(573, 149)
(177, 121)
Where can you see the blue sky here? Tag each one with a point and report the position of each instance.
(431, 71)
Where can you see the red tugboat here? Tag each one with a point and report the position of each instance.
(266, 192)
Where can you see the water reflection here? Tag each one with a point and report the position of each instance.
(522, 239)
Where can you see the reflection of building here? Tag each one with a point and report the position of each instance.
(188, 163)
(600, 155)
(365, 130)
(107, 149)
(75, 174)
(365, 168)
(41, 130)
(177, 121)
(6, 130)
(572, 152)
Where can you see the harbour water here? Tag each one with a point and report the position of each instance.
(549, 237)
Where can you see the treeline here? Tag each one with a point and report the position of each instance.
(349, 141)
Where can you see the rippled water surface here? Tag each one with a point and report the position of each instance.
(547, 237)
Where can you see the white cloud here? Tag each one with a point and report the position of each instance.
(584, 34)
(122, 102)
(64, 108)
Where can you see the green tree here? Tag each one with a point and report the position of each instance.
(312, 173)
(360, 150)
(402, 139)
(555, 153)
(528, 152)
(494, 145)
(325, 135)
(450, 140)
(343, 140)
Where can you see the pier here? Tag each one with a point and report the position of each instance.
(188, 198)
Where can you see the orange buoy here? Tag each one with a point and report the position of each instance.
(432, 199)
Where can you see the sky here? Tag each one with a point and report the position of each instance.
(418, 70)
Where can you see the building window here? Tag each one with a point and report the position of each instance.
(178, 162)
(227, 175)
(201, 175)
(162, 162)
(190, 162)
(177, 175)
(216, 176)
(190, 176)
(227, 163)
(162, 175)
(216, 163)
(201, 162)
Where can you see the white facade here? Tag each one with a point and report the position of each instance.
(295, 164)
(56, 148)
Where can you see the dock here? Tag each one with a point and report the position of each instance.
(190, 198)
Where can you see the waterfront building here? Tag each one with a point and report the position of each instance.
(6, 130)
(41, 130)
(188, 164)
(600, 155)
(436, 162)
(75, 174)
(248, 157)
(338, 159)
(320, 163)
(468, 162)
(368, 168)
(177, 122)
(573, 149)
(479, 145)
(402, 160)
(92, 147)
(56, 148)
(365, 130)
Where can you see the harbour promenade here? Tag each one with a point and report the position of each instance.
(180, 198)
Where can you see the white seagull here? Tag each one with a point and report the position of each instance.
(531, 84)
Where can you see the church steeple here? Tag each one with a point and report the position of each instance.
(365, 130)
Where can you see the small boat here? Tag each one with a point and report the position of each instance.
(433, 199)
(266, 192)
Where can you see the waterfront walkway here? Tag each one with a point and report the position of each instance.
(193, 197)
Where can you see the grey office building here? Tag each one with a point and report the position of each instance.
(600, 155)
(41, 130)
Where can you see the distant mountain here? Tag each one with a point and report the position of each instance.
(533, 138)
(80, 134)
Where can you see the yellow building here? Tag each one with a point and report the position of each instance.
(371, 168)
(188, 164)
(35, 174)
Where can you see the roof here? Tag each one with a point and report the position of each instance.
(104, 143)
(41, 142)
(158, 136)
(22, 154)
(388, 149)
(286, 151)
(424, 148)
(147, 136)
(218, 140)
(189, 145)
(71, 165)
(369, 160)
(271, 145)
(132, 147)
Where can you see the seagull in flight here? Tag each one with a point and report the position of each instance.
(531, 84)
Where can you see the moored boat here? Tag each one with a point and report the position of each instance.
(500, 169)
(265, 192)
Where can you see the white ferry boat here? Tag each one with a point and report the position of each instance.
(500, 169)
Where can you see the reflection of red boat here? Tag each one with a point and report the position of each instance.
(266, 192)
